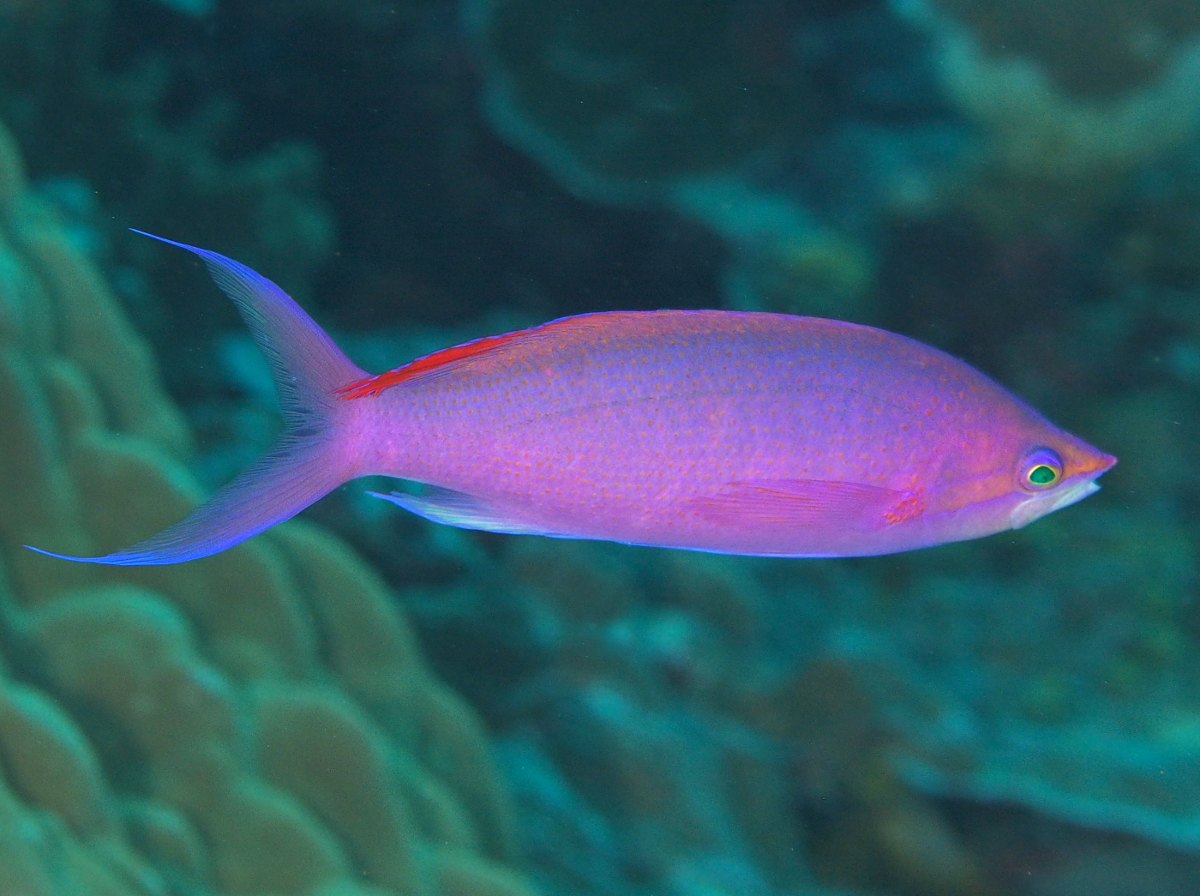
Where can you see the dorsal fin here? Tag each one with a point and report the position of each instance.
(376, 384)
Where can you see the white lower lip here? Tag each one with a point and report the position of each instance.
(1040, 505)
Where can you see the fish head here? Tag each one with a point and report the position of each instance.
(1006, 480)
(1049, 477)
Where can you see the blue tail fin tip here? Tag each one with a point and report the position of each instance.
(62, 556)
(108, 560)
(163, 239)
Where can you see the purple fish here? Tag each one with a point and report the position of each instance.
(725, 431)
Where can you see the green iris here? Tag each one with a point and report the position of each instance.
(1043, 474)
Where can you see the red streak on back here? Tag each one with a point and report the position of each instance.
(376, 384)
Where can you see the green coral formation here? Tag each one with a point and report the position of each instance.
(674, 103)
(130, 125)
(622, 97)
(256, 723)
(1073, 97)
(1090, 48)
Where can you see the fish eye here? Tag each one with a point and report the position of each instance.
(1041, 469)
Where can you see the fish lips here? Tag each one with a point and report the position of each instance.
(1071, 490)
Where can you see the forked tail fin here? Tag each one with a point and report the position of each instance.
(311, 458)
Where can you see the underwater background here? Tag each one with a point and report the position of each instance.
(361, 702)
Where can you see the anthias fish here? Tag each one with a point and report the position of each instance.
(725, 431)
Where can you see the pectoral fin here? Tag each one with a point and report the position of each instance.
(808, 503)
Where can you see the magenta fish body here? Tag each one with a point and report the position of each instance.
(732, 432)
(736, 432)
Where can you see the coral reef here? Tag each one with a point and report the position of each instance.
(675, 104)
(1016, 716)
(1044, 115)
(261, 723)
(91, 95)
(620, 99)
(1072, 97)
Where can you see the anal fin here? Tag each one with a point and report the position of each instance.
(455, 508)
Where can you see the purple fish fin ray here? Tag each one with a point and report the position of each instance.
(280, 484)
(306, 364)
(306, 463)
(455, 508)
(804, 503)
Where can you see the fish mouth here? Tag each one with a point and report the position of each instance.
(1038, 506)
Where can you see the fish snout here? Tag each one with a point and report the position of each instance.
(1100, 465)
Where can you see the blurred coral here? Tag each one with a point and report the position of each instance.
(620, 99)
(127, 121)
(1073, 96)
(675, 104)
(258, 723)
